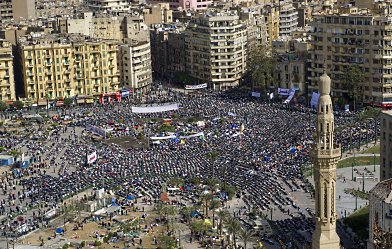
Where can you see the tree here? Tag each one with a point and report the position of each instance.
(233, 228)
(212, 155)
(18, 105)
(353, 80)
(201, 227)
(222, 215)
(262, 65)
(3, 106)
(68, 102)
(245, 235)
(166, 242)
(205, 200)
(214, 204)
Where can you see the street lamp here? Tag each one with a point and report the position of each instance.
(374, 162)
(352, 171)
(363, 181)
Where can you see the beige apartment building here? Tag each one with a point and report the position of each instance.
(16, 9)
(135, 66)
(58, 67)
(7, 84)
(386, 145)
(271, 15)
(215, 48)
(353, 38)
(158, 13)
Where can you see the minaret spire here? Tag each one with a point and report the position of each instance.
(325, 155)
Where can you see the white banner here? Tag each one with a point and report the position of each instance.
(200, 134)
(314, 100)
(256, 94)
(162, 138)
(92, 157)
(283, 91)
(153, 109)
(194, 87)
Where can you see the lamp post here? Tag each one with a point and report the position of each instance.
(374, 162)
(363, 181)
(352, 171)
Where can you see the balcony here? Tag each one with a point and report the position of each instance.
(30, 65)
(48, 64)
(48, 73)
(28, 57)
(47, 56)
(67, 71)
(66, 63)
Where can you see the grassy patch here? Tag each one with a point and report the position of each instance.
(359, 161)
(359, 222)
(371, 150)
(357, 193)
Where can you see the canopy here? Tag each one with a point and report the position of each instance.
(59, 230)
(131, 198)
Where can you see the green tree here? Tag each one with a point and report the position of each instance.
(201, 227)
(233, 228)
(262, 65)
(214, 204)
(245, 235)
(18, 105)
(166, 242)
(68, 102)
(205, 200)
(353, 80)
(223, 216)
(213, 155)
(3, 106)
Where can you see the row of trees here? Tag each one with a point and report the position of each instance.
(18, 105)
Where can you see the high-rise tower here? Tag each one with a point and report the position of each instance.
(325, 155)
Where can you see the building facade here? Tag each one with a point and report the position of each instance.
(109, 5)
(7, 84)
(168, 51)
(215, 48)
(185, 4)
(16, 9)
(386, 145)
(325, 155)
(361, 39)
(135, 66)
(158, 13)
(62, 67)
(380, 215)
(288, 19)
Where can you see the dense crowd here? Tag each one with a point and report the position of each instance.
(262, 159)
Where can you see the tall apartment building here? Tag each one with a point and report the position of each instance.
(135, 66)
(215, 48)
(185, 4)
(386, 145)
(109, 5)
(380, 215)
(271, 15)
(167, 50)
(288, 19)
(354, 38)
(57, 67)
(7, 84)
(15, 9)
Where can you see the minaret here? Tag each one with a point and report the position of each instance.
(325, 155)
